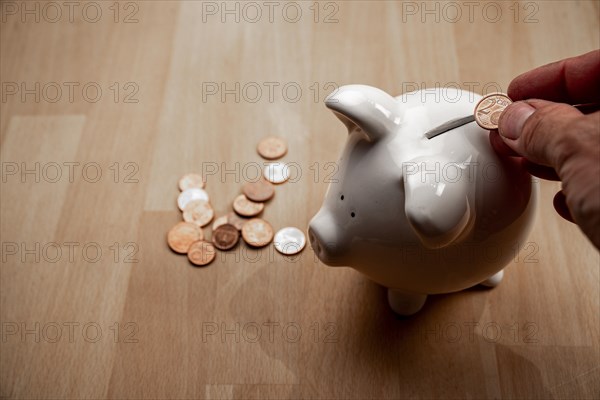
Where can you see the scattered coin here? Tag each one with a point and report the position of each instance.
(198, 212)
(201, 253)
(272, 148)
(225, 237)
(190, 195)
(258, 191)
(190, 181)
(182, 235)
(276, 172)
(257, 232)
(194, 202)
(289, 240)
(236, 220)
(245, 207)
(489, 108)
(222, 220)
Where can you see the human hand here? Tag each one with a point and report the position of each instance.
(556, 140)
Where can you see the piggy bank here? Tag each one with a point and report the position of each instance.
(420, 216)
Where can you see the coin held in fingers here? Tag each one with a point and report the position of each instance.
(201, 253)
(198, 212)
(257, 232)
(190, 181)
(182, 235)
(225, 237)
(189, 195)
(247, 208)
(272, 148)
(259, 191)
(489, 109)
(289, 240)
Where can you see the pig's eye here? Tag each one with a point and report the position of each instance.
(352, 214)
(342, 198)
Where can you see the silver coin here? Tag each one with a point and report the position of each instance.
(289, 240)
(190, 195)
(276, 172)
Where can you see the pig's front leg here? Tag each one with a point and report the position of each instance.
(404, 303)
(494, 280)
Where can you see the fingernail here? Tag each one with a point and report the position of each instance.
(513, 118)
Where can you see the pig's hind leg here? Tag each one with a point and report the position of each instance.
(493, 280)
(404, 303)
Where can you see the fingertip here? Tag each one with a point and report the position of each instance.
(543, 130)
(514, 89)
(513, 118)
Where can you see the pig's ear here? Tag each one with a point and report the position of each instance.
(437, 209)
(367, 108)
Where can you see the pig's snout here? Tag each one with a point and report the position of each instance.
(325, 237)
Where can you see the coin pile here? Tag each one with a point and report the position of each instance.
(187, 237)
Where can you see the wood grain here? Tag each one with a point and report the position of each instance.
(255, 324)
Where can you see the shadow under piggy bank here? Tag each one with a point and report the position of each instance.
(420, 216)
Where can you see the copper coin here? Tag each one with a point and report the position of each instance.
(489, 108)
(182, 235)
(222, 220)
(272, 147)
(236, 220)
(259, 191)
(247, 208)
(190, 181)
(201, 253)
(198, 212)
(257, 232)
(225, 237)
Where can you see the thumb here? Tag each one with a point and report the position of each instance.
(539, 130)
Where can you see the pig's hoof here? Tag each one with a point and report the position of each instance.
(494, 280)
(405, 303)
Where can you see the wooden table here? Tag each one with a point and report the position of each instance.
(105, 105)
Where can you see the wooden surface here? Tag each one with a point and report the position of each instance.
(159, 328)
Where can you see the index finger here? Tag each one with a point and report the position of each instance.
(572, 80)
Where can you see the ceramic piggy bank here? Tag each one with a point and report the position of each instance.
(420, 216)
